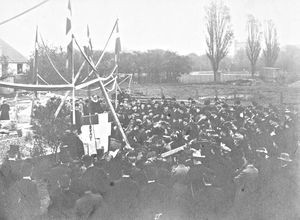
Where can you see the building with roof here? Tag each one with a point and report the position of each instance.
(12, 62)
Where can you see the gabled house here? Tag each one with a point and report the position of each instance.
(12, 62)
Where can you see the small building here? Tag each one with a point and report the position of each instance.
(13, 66)
(208, 76)
(12, 61)
(270, 73)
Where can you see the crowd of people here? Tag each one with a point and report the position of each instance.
(230, 155)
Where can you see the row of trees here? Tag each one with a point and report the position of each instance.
(154, 66)
(165, 66)
(220, 35)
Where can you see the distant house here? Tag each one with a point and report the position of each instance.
(13, 65)
(12, 62)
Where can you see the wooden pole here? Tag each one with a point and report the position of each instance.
(73, 83)
(116, 94)
(103, 90)
(107, 99)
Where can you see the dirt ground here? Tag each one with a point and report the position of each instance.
(261, 92)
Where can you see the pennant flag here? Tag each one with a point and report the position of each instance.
(118, 43)
(88, 50)
(89, 39)
(69, 23)
(69, 63)
(35, 62)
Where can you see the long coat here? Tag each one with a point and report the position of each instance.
(4, 112)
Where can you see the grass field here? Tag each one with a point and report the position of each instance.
(264, 93)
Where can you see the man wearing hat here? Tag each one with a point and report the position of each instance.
(11, 167)
(91, 206)
(58, 171)
(154, 197)
(123, 197)
(23, 197)
(62, 200)
(94, 178)
(4, 108)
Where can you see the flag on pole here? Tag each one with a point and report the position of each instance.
(89, 39)
(88, 50)
(118, 43)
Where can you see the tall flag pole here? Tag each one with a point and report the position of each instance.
(35, 62)
(117, 58)
(35, 70)
(118, 44)
(70, 55)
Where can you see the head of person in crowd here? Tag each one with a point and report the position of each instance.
(87, 161)
(26, 169)
(64, 182)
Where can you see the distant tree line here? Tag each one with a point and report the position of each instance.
(160, 66)
(152, 66)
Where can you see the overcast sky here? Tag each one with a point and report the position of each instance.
(176, 25)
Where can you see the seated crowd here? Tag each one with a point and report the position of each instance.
(232, 153)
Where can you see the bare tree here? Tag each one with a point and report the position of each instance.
(219, 34)
(272, 46)
(253, 47)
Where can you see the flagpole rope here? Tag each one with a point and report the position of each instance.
(94, 67)
(86, 84)
(24, 12)
(103, 51)
(52, 64)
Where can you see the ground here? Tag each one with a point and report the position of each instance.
(259, 91)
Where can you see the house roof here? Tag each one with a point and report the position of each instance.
(11, 53)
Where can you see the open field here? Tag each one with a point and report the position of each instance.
(263, 93)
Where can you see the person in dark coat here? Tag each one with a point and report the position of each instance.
(154, 199)
(23, 197)
(75, 145)
(55, 173)
(78, 118)
(11, 166)
(62, 200)
(95, 178)
(4, 108)
(91, 206)
(96, 107)
(123, 197)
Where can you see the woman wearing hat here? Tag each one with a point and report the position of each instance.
(4, 108)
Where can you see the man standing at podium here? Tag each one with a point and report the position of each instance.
(96, 107)
(78, 118)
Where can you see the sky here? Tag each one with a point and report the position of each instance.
(177, 25)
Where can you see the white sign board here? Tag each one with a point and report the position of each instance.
(98, 136)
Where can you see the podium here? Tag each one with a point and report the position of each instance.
(95, 133)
